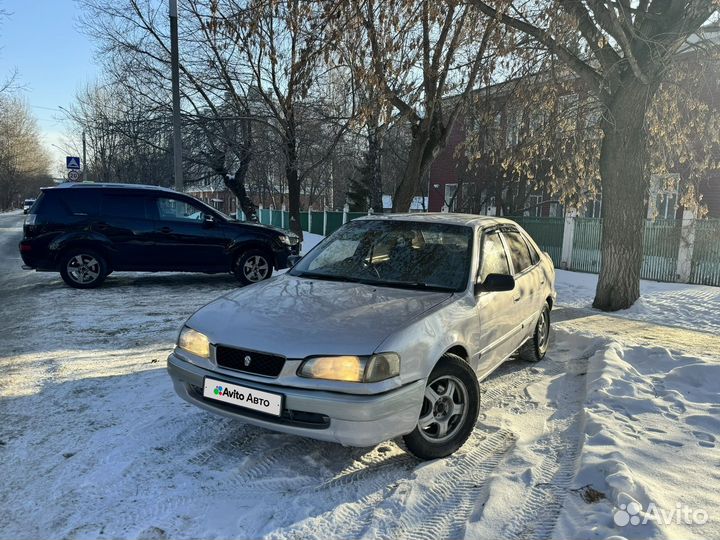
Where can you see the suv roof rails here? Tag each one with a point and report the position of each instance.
(77, 185)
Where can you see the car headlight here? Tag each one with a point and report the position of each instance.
(352, 368)
(288, 239)
(194, 342)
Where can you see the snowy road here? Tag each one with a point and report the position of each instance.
(94, 443)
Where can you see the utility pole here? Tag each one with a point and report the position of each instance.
(175, 68)
(84, 162)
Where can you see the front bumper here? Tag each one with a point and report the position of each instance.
(348, 419)
(281, 254)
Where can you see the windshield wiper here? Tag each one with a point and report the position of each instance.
(417, 285)
(329, 277)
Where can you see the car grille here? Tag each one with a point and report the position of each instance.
(259, 363)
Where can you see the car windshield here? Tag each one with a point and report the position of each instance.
(408, 254)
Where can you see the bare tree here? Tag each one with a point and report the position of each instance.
(621, 52)
(24, 164)
(421, 53)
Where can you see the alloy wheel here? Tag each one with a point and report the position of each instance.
(256, 268)
(444, 409)
(83, 269)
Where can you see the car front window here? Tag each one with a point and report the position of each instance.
(177, 210)
(493, 258)
(393, 253)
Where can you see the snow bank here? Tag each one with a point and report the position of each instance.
(679, 304)
(649, 452)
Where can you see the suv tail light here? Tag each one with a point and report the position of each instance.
(24, 248)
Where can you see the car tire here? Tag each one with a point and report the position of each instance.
(535, 348)
(448, 414)
(83, 268)
(253, 266)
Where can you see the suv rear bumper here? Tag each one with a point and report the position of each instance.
(30, 255)
(348, 419)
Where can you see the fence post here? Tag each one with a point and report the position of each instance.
(282, 216)
(309, 219)
(325, 221)
(567, 243)
(346, 209)
(685, 250)
(270, 214)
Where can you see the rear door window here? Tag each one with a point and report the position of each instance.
(123, 206)
(519, 252)
(81, 202)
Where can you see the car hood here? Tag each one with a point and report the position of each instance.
(245, 224)
(296, 317)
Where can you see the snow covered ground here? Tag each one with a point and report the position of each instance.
(95, 444)
(673, 304)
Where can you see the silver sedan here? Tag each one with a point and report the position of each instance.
(384, 329)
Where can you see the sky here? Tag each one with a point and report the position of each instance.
(43, 40)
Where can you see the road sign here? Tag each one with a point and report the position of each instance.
(73, 176)
(72, 162)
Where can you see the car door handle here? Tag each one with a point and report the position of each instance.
(516, 298)
(166, 230)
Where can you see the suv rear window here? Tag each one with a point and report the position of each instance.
(49, 206)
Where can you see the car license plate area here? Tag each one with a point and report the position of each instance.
(242, 396)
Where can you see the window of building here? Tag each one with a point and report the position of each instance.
(514, 121)
(534, 206)
(451, 197)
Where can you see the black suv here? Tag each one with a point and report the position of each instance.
(86, 231)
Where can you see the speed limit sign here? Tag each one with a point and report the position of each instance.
(73, 176)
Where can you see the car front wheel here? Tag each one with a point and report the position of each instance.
(253, 266)
(83, 268)
(449, 410)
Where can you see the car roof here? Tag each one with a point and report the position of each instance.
(109, 185)
(468, 220)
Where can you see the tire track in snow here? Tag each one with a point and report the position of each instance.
(443, 509)
(542, 503)
(440, 511)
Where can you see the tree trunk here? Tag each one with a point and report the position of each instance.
(427, 141)
(373, 157)
(623, 172)
(293, 180)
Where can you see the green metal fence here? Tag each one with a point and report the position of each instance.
(705, 268)
(661, 242)
(586, 245)
(264, 216)
(547, 233)
(317, 224)
(334, 222)
(355, 215)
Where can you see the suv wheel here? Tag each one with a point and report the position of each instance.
(535, 348)
(449, 410)
(83, 268)
(253, 266)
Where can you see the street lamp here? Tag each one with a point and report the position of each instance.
(175, 69)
